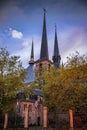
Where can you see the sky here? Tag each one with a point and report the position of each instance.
(21, 21)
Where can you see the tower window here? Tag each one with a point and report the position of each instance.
(49, 67)
(40, 65)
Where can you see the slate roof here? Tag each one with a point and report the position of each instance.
(38, 92)
(33, 98)
(30, 74)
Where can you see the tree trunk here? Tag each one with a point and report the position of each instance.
(6, 120)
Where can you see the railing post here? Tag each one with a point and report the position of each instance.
(44, 117)
(26, 115)
(71, 118)
(6, 120)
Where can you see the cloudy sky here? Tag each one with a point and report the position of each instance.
(22, 20)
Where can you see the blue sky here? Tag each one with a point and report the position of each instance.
(22, 20)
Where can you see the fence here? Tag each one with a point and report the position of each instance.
(40, 128)
(56, 121)
(61, 121)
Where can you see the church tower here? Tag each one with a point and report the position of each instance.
(43, 64)
(56, 55)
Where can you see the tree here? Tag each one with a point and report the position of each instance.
(76, 81)
(67, 87)
(12, 75)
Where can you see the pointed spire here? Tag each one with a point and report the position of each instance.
(44, 45)
(32, 55)
(56, 55)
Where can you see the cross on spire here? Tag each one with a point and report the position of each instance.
(44, 10)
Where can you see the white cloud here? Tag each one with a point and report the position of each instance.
(76, 41)
(25, 50)
(16, 34)
(25, 44)
(69, 41)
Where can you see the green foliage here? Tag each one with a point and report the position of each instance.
(29, 89)
(12, 75)
(67, 87)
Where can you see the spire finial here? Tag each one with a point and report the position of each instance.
(44, 10)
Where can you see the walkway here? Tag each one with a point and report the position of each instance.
(35, 128)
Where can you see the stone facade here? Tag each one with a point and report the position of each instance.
(35, 110)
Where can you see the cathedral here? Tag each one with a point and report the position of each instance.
(34, 105)
(43, 61)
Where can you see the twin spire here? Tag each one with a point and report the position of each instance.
(56, 56)
(44, 44)
(32, 55)
(44, 55)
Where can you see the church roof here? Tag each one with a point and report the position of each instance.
(33, 98)
(30, 74)
(38, 92)
(30, 77)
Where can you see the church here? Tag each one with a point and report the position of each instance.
(43, 61)
(34, 105)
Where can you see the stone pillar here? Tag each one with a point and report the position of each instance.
(41, 115)
(6, 120)
(26, 115)
(45, 117)
(71, 118)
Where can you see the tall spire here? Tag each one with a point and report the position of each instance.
(56, 56)
(44, 45)
(32, 55)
